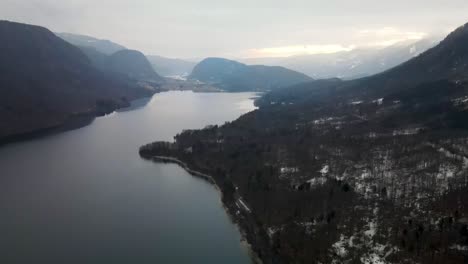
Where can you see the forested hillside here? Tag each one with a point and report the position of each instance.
(367, 171)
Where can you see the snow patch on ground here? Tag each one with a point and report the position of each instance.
(378, 101)
(373, 259)
(322, 121)
(325, 169)
(356, 102)
(339, 246)
(317, 181)
(406, 132)
(459, 247)
(271, 231)
(285, 170)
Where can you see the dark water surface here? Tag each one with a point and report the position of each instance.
(85, 196)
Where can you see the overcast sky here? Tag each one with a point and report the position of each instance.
(242, 28)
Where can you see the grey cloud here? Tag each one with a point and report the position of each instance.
(183, 28)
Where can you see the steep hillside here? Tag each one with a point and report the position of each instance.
(448, 60)
(234, 76)
(44, 81)
(133, 64)
(130, 64)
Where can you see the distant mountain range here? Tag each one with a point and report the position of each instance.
(104, 46)
(446, 61)
(353, 64)
(111, 57)
(167, 67)
(234, 76)
(45, 82)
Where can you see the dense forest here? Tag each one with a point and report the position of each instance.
(367, 171)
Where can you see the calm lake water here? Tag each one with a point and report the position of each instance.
(85, 196)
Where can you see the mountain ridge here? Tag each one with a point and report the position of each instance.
(102, 45)
(235, 76)
(161, 65)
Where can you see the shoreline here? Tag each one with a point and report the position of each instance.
(79, 120)
(72, 122)
(166, 159)
(254, 256)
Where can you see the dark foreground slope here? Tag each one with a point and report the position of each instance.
(233, 76)
(45, 81)
(368, 171)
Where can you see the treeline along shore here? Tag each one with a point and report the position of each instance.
(236, 207)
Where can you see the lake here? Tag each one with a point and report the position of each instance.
(86, 196)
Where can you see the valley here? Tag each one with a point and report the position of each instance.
(273, 134)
